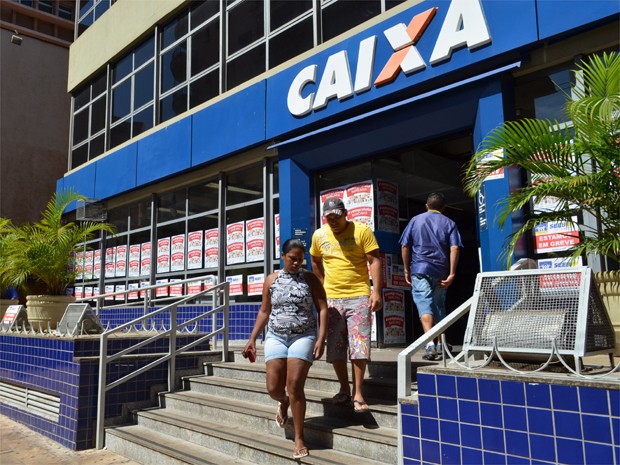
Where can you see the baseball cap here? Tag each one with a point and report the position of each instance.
(333, 205)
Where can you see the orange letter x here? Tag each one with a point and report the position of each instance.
(405, 56)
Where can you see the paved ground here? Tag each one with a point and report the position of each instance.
(22, 446)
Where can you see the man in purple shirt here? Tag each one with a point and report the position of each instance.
(430, 247)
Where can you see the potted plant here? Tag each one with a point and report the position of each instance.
(40, 255)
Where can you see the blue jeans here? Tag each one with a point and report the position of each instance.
(428, 296)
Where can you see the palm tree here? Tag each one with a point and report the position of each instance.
(43, 251)
(579, 166)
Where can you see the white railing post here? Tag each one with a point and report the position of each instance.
(173, 348)
(103, 363)
(225, 357)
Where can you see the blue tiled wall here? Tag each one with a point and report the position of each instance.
(468, 420)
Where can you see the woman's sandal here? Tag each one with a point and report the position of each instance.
(342, 398)
(363, 407)
(282, 415)
(300, 453)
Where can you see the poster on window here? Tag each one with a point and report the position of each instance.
(145, 259)
(163, 255)
(121, 260)
(78, 264)
(176, 289)
(276, 233)
(255, 239)
(236, 284)
(109, 289)
(359, 201)
(119, 288)
(97, 264)
(88, 291)
(393, 316)
(143, 284)
(133, 295)
(161, 291)
(212, 248)
(255, 284)
(194, 287)
(194, 250)
(498, 173)
(177, 252)
(95, 291)
(209, 282)
(559, 262)
(78, 292)
(89, 266)
(110, 256)
(134, 260)
(556, 236)
(387, 206)
(235, 243)
(336, 192)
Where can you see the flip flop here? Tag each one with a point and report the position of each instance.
(281, 416)
(342, 398)
(300, 453)
(363, 407)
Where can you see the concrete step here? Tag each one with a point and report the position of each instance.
(351, 436)
(146, 446)
(383, 411)
(232, 441)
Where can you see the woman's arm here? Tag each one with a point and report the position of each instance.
(263, 314)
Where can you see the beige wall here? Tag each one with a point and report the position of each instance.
(121, 25)
(34, 124)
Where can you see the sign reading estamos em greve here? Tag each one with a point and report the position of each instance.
(464, 25)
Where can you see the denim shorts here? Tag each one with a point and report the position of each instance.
(428, 296)
(299, 346)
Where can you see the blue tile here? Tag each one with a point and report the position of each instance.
(615, 430)
(567, 424)
(538, 395)
(512, 460)
(429, 429)
(493, 439)
(409, 409)
(570, 452)
(540, 421)
(491, 458)
(428, 406)
(426, 384)
(449, 432)
(411, 462)
(542, 447)
(470, 436)
(411, 448)
(469, 412)
(489, 390)
(467, 388)
(515, 418)
(448, 409)
(491, 415)
(471, 456)
(446, 386)
(596, 428)
(513, 392)
(593, 400)
(517, 444)
(431, 452)
(598, 453)
(614, 403)
(450, 455)
(410, 425)
(565, 398)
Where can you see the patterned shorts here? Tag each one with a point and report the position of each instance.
(349, 327)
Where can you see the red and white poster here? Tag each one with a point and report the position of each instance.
(134, 294)
(212, 248)
(110, 256)
(393, 316)
(163, 255)
(236, 284)
(209, 282)
(194, 250)
(145, 259)
(194, 287)
(109, 289)
(177, 253)
(121, 261)
(276, 232)
(498, 173)
(235, 243)
(176, 289)
(119, 288)
(95, 291)
(88, 264)
(255, 284)
(387, 206)
(161, 291)
(359, 200)
(337, 192)
(556, 236)
(88, 291)
(78, 264)
(143, 284)
(78, 292)
(134, 260)
(97, 264)
(255, 239)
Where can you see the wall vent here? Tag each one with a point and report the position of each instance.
(33, 401)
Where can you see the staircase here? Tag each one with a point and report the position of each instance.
(226, 417)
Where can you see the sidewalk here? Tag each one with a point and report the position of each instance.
(22, 446)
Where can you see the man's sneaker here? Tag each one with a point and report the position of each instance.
(429, 352)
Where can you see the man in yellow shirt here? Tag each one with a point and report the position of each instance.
(342, 251)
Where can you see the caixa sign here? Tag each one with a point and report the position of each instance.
(464, 25)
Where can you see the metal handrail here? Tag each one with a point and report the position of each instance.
(222, 288)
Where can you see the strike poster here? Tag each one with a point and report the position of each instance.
(119, 288)
(387, 206)
(110, 255)
(212, 248)
(255, 242)
(176, 289)
(194, 250)
(177, 253)
(145, 259)
(109, 289)
(163, 255)
(255, 284)
(88, 264)
(337, 192)
(393, 316)
(276, 232)
(134, 294)
(88, 291)
(134, 260)
(360, 203)
(121, 260)
(78, 292)
(194, 287)
(236, 284)
(97, 264)
(235, 243)
(161, 291)
(556, 236)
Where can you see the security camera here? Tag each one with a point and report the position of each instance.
(16, 39)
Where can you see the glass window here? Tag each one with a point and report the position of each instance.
(246, 66)
(98, 115)
(143, 86)
(245, 24)
(140, 214)
(543, 95)
(204, 88)
(97, 146)
(80, 126)
(120, 133)
(173, 67)
(171, 206)
(65, 12)
(122, 68)
(79, 155)
(203, 198)
(291, 42)
(174, 30)
(245, 185)
(121, 100)
(101, 8)
(205, 47)
(142, 121)
(46, 6)
(201, 11)
(173, 105)
(339, 17)
(144, 52)
(283, 11)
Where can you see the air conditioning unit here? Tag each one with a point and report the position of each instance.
(91, 210)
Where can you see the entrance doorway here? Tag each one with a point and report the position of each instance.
(432, 166)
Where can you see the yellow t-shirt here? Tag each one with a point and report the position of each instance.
(344, 259)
